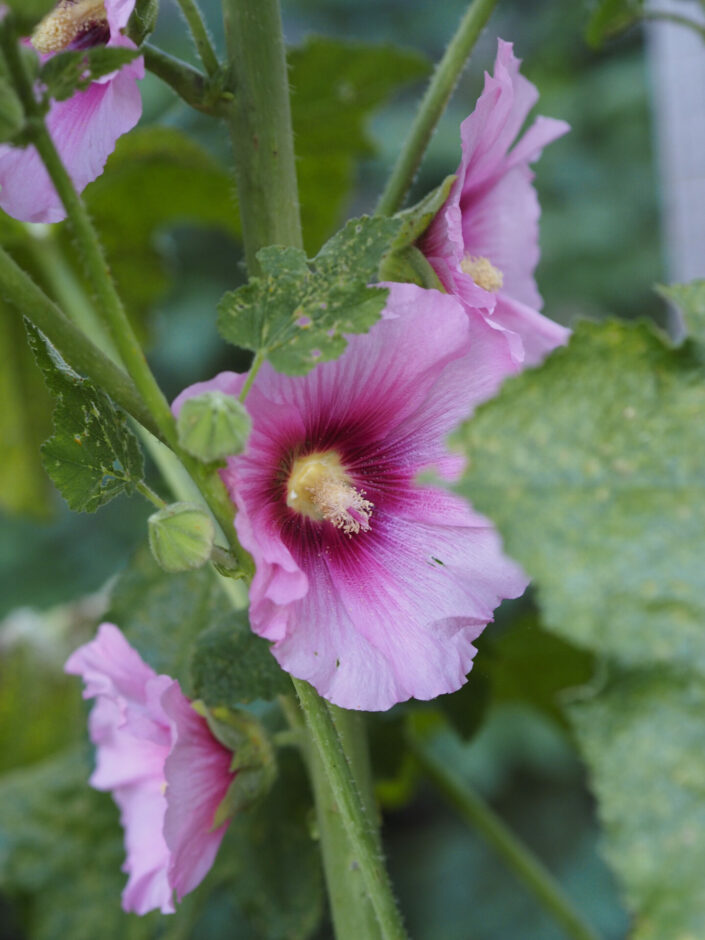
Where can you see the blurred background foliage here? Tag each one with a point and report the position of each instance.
(173, 259)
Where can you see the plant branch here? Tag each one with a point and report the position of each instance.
(188, 83)
(22, 294)
(676, 18)
(362, 836)
(527, 868)
(434, 102)
(199, 33)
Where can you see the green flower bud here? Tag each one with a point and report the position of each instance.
(143, 20)
(181, 536)
(253, 760)
(213, 426)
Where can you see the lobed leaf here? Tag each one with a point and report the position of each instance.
(92, 455)
(296, 313)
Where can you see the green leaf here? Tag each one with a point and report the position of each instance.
(593, 468)
(231, 666)
(643, 740)
(92, 455)
(295, 314)
(25, 410)
(336, 85)
(68, 72)
(690, 298)
(11, 112)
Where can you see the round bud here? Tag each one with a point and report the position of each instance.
(213, 426)
(181, 536)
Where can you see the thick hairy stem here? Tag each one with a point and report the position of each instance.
(433, 105)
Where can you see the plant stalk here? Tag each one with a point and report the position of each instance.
(361, 834)
(199, 33)
(188, 83)
(481, 817)
(433, 104)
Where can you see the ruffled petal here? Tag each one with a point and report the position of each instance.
(142, 809)
(539, 334)
(198, 776)
(400, 618)
(118, 13)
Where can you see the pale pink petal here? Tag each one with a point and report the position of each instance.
(84, 128)
(142, 809)
(110, 666)
(118, 12)
(538, 333)
(198, 776)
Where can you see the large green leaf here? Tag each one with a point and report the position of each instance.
(296, 314)
(593, 467)
(336, 85)
(92, 456)
(690, 298)
(644, 741)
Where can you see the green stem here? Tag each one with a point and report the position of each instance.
(20, 291)
(109, 302)
(528, 869)
(353, 915)
(254, 369)
(353, 739)
(150, 495)
(676, 18)
(199, 33)
(188, 83)
(432, 106)
(362, 837)
(260, 126)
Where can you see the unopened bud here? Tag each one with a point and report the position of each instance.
(181, 536)
(213, 426)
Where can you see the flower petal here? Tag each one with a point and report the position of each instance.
(198, 776)
(142, 809)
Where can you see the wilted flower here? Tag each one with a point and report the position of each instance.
(85, 126)
(166, 771)
(483, 243)
(371, 586)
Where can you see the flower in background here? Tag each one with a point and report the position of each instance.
(483, 244)
(166, 771)
(371, 586)
(85, 126)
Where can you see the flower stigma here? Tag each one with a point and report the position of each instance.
(483, 272)
(77, 24)
(320, 488)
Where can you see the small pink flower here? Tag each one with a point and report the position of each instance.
(483, 243)
(166, 771)
(370, 586)
(86, 126)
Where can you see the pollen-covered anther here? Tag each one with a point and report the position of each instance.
(483, 272)
(320, 488)
(67, 22)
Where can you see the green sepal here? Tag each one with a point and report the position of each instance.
(181, 536)
(213, 426)
(74, 70)
(410, 266)
(416, 219)
(253, 761)
(143, 20)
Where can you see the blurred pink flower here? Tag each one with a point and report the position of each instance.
(483, 244)
(370, 586)
(166, 771)
(86, 126)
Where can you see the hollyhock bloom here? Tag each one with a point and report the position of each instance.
(370, 586)
(86, 126)
(483, 244)
(166, 771)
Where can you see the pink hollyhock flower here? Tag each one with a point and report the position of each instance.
(86, 126)
(483, 244)
(166, 771)
(370, 586)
